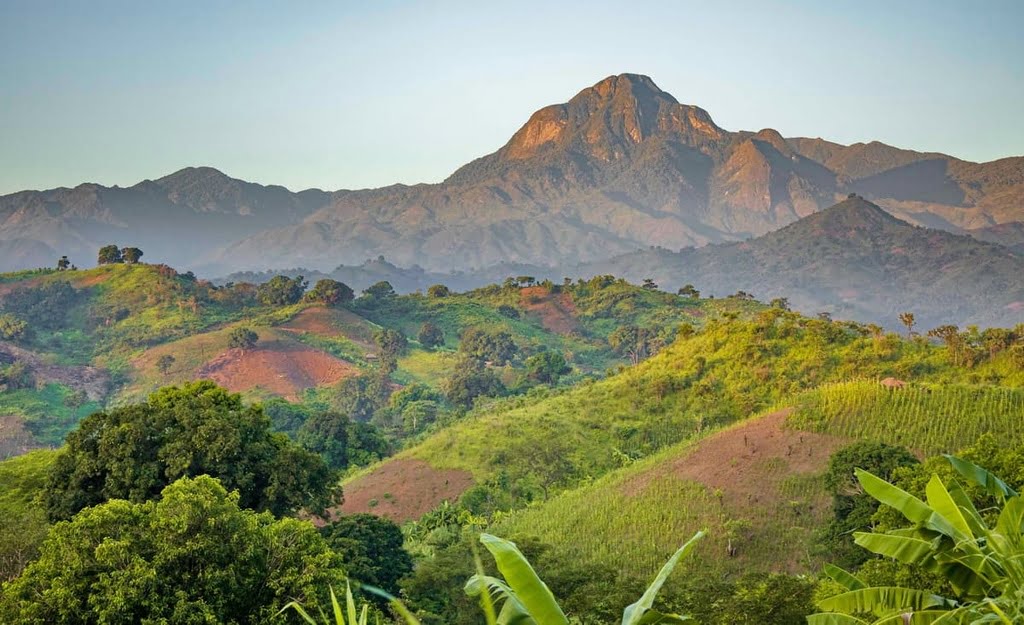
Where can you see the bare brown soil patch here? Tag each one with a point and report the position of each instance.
(325, 321)
(15, 439)
(278, 368)
(556, 311)
(761, 473)
(403, 490)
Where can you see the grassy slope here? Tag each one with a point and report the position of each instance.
(716, 377)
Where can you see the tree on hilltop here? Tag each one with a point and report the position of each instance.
(109, 254)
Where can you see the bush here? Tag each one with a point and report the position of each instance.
(281, 291)
(242, 338)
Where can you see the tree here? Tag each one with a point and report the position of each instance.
(133, 452)
(326, 433)
(193, 556)
(381, 290)
(781, 303)
(546, 367)
(950, 335)
(47, 305)
(109, 254)
(12, 328)
(430, 335)
(438, 290)
(907, 319)
(635, 342)
(391, 344)
(131, 255)
(689, 291)
(281, 291)
(330, 293)
(63, 263)
(978, 554)
(242, 338)
(508, 311)
(471, 379)
(164, 363)
(371, 548)
(650, 284)
(494, 346)
(852, 509)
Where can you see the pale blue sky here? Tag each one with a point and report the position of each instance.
(348, 95)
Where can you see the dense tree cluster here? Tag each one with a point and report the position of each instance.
(330, 292)
(281, 291)
(47, 306)
(134, 452)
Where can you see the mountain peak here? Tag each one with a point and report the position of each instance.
(634, 84)
(854, 214)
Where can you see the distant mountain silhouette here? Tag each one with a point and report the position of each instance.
(620, 166)
(853, 260)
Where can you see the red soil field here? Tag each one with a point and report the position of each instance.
(284, 370)
(404, 489)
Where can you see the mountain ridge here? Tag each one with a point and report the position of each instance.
(619, 166)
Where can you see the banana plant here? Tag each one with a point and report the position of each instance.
(984, 565)
(338, 615)
(526, 600)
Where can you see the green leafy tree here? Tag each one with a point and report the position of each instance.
(193, 556)
(546, 367)
(390, 342)
(650, 284)
(46, 305)
(63, 264)
(131, 255)
(133, 452)
(471, 379)
(109, 254)
(164, 363)
(485, 345)
(381, 290)
(635, 342)
(907, 319)
(781, 303)
(330, 292)
(689, 291)
(281, 291)
(12, 328)
(371, 548)
(243, 339)
(438, 290)
(16, 375)
(775, 599)
(510, 312)
(430, 335)
(326, 433)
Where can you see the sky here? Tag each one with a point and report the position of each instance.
(363, 94)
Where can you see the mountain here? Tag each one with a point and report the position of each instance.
(1009, 234)
(853, 260)
(622, 165)
(179, 217)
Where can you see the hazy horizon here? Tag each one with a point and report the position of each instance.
(354, 96)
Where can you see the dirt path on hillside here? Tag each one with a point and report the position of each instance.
(556, 311)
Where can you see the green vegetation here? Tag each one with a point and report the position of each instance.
(930, 418)
(194, 555)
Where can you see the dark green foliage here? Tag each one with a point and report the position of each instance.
(131, 255)
(381, 290)
(546, 367)
(22, 519)
(242, 338)
(16, 376)
(635, 342)
(469, 380)
(109, 254)
(430, 335)
(689, 291)
(774, 599)
(134, 452)
(330, 292)
(194, 556)
(486, 345)
(12, 328)
(359, 397)
(63, 264)
(852, 509)
(281, 291)
(435, 589)
(391, 343)
(438, 290)
(371, 548)
(326, 433)
(508, 311)
(47, 306)
(164, 363)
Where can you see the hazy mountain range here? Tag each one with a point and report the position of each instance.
(622, 165)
